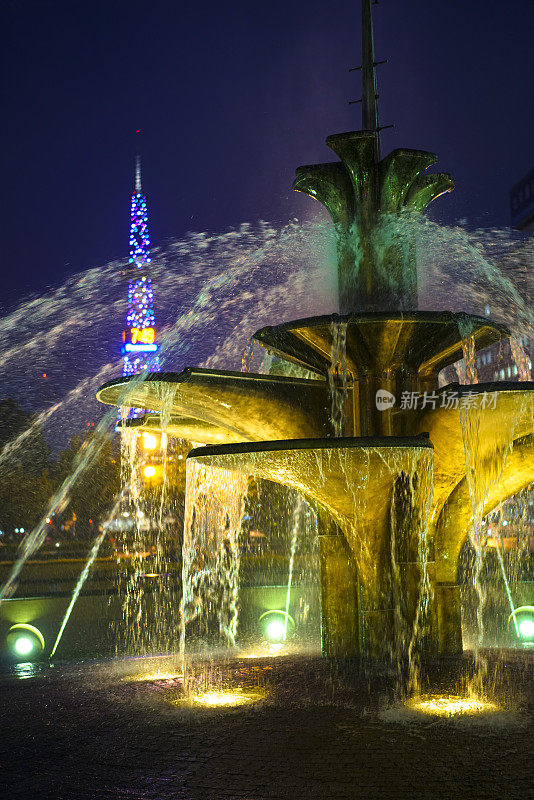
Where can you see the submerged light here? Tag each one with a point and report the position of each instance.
(25, 641)
(23, 646)
(275, 630)
(215, 699)
(447, 705)
(277, 625)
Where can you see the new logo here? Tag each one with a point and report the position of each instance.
(384, 400)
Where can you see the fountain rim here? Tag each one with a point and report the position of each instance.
(189, 372)
(443, 317)
(489, 387)
(421, 440)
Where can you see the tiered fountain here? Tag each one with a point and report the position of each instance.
(396, 466)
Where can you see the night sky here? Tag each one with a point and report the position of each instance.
(231, 97)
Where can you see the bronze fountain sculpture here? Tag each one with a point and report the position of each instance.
(387, 473)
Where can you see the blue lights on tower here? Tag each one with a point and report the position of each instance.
(140, 349)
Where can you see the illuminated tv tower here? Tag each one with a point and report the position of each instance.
(140, 349)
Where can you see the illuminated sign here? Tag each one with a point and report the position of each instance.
(142, 335)
(139, 348)
(141, 340)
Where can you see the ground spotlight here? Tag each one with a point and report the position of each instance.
(217, 698)
(447, 705)
(523, 619)
(276, 626)
(25, 641)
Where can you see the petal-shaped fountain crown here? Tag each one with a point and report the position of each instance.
(371, 203)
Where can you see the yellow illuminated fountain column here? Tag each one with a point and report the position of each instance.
(340, 617)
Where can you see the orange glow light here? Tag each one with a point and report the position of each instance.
(150, 441)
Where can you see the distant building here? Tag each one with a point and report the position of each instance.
(503, 362)
(499, 363)
(510, 361)
(522, 203)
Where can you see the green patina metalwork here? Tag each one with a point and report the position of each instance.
(371, 203)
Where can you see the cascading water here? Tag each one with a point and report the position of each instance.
(254, 269)
(521, 359)
(149, 554)
(130, 550)
(411, 503)
(481, 474)
(297, 513)
(214, 507)
(385, 577)
(465, 327)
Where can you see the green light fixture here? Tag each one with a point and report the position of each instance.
(276, 626)
(26, 642)
(523, 619)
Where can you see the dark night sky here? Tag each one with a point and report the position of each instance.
(231, 97)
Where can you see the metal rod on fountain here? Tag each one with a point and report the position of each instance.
(369, 98)
(369, 93)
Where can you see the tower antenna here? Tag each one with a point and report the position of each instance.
(138, 173)
(138, 167)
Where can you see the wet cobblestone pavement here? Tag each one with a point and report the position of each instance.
(310, 731)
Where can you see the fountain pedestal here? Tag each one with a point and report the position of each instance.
(340, 629)
(449, 618)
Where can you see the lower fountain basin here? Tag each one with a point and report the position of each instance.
(349, 477)
(364, 489)
(495, 417)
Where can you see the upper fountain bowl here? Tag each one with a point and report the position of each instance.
(417, 344)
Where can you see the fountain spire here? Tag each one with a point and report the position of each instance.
(369, 93)
(366, 195)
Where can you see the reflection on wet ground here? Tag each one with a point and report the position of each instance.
(251, 729)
